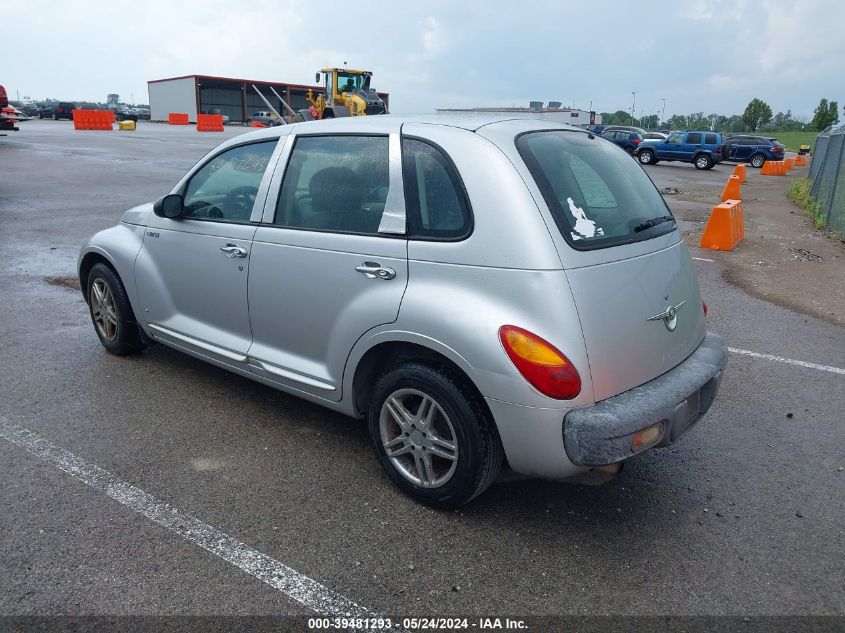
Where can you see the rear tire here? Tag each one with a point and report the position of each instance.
(757, 161)
(703, 161)
(444, 449)
(112, 316)
(646, 157)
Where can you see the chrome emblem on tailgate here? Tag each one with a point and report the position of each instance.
(669, 316)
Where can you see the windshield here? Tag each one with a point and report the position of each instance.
(347, 82)
(598, 196)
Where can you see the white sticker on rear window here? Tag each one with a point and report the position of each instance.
(584, 227)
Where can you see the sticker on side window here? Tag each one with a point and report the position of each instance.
(584, 227)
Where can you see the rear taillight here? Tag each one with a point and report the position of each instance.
(544, 366)
(636, 141)
(704, 305)
(776, 149)
(719, 149)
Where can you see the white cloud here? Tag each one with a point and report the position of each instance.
(433, 37)
(723, 82)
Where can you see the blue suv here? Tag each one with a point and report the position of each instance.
(753, 149)
(702, 148)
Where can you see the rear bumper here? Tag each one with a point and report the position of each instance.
(602, 434)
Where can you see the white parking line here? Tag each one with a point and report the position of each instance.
(703, 259)
(288, 581)
(790, 361)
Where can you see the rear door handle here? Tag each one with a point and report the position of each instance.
(233, 250)
(374, 270)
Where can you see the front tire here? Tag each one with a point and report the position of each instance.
(112, 316)
(757, 161)
(703, 161)
(433, 435)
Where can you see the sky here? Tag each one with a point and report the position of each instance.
(699, 55)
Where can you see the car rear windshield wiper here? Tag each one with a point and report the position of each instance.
(653, 222)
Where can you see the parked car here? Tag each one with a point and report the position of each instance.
(753, 149)
(61, 110)
(217, 111)
(45, 111)
(362, 264)
(143, 114)
(267, 118)
(627, 128)
(30, 109)
(596, 129)
(702, 148)
(629, 141)
(125, 114)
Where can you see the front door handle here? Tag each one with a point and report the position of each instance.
(374, 270)
(233, 250)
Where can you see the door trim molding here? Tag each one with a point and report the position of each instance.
(208, 347)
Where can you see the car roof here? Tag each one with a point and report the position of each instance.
(381, 124)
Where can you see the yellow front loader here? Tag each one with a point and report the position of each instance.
(348, 93)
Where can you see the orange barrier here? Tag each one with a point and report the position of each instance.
(731, 190)
(773, 168)
(725, 228)
(209, 123)
(790, 163)
(258, 124)
(177, 118)
(740, 172)
(799, 161)
(92, 119)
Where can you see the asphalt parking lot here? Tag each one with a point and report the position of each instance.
(742, 518)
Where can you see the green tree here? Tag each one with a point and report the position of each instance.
(735, 123)
(784, 122)
(677, 122)
(757, 113)
(620, 117)
(650, 121)
(825, 115)
(697, 121)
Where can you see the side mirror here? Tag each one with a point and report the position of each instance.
(317, 77)
(170, 206)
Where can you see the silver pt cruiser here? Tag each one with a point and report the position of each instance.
(479, 289)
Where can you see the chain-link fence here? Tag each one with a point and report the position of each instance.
(827, 173)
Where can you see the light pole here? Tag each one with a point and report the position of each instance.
(663, 116)
(633, 105)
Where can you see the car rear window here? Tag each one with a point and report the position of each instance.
(597, 195)
(710, 139)
(694, 138)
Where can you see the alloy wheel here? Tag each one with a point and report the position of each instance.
(418, 438)
(103, 309)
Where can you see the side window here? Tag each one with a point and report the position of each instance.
(434, 195)
(694, 138)
(676, 138)
(335, 183)
(224, 189)
(710, 139)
